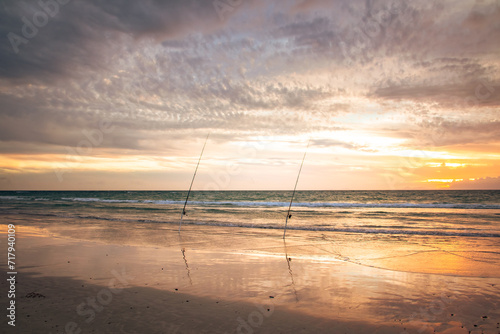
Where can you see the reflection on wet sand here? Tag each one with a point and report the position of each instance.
(183, 251)
(238, 266)
(288, 260)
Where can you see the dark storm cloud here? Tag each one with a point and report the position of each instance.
(80, 35)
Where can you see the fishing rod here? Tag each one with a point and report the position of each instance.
(189, 191)
(288, 215)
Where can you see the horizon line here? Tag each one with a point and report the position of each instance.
(200, 190)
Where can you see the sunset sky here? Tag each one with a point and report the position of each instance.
(120, 95)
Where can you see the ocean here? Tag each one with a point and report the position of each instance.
(428, 213)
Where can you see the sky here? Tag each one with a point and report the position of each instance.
(121, 94)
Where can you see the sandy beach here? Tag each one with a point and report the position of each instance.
(150, 279)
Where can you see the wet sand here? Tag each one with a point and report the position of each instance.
(212, 280)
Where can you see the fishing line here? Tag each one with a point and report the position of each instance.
(288, 215)
(183, 213)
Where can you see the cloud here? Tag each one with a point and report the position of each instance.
(439, 131)
(337, 143)
(482, 183)
(393, 74)
(82, 35)
(142, 120)
(449, 82)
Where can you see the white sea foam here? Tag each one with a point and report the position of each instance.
(302, 204)
(93, 199)
(476, 231)
(10, 197)
(222, 203)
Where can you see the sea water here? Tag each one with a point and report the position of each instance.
(439, 213)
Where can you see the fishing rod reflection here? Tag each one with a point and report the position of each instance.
(288, 260)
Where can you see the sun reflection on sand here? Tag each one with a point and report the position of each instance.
(327, 276)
